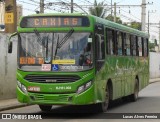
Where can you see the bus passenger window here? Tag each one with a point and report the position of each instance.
(110, 42)
(139, 46)
(127, 50)
(145, 47)
(100, 47)
(134, 45)
(119, 43)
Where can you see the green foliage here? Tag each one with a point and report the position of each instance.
(111, 18)
(98, 9)
(155, 42)
(151, 45)
(135, 25)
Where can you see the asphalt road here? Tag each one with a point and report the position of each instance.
(148, 102)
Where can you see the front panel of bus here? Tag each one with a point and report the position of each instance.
(55, 60)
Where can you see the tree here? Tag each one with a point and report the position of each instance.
(152, 46)
(98, 9)
(111, 18)
(155, 42)
(135, 25)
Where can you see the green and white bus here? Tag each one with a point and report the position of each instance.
(76, 59)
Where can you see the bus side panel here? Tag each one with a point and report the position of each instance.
(143, 72)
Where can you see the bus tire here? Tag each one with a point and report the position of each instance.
(45, 107)
(102, 107)
(134, 96)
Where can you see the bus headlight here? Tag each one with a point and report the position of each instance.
(22, 87)
(19, 84)
(84, 87)
(80, 89)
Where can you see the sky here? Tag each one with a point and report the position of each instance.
(127, 14)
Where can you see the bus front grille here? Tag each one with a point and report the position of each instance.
(50, 97)
(52, 78)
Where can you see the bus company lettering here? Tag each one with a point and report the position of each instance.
(57, 21)
(71, 67)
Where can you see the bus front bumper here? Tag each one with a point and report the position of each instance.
(86, 97)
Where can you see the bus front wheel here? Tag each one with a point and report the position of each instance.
(102, 107)
(45, 107)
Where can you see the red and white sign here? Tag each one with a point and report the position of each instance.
(46, 67)
(34, 88)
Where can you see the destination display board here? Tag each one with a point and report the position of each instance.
(54, 21)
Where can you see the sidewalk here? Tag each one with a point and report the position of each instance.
(13, 103)
(154, 80)
(10, 104)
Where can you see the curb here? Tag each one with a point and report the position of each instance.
(13, 106)
(154, 81)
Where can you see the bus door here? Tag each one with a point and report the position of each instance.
(99, 60)
(99, 46)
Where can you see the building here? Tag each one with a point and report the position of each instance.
(2, 12)
(19, 12)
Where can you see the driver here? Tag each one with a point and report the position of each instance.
(85, 58)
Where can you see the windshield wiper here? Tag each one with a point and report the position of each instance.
(62, 42)
(46, 46)
(40, 40)
(65, 38)
(38, 35)
(56, 48)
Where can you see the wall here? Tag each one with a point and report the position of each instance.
(7, 68)
(154, 65)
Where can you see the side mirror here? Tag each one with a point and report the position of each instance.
(10, 47)
(10, 43)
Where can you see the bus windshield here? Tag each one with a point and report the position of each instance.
(55, 51)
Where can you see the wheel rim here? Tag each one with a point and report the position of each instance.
(106, 102)
(136, 90)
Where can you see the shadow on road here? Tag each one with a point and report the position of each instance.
(81, 112)
(70, 112)
(90, 112)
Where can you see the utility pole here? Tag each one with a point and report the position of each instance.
(114, 12)
(148, 22)
(159, 35)
(41, 6)
(143, 15)
(111, 8)
(148, 18)
(71, 6)
(10, 16)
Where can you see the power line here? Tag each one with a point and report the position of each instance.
(34, 1)
(28, 9)
(120, 1)
(131, 14)
(27, 3)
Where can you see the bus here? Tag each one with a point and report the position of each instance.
(77, 59)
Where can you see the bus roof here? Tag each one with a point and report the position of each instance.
(123, 28)
(105, 22)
